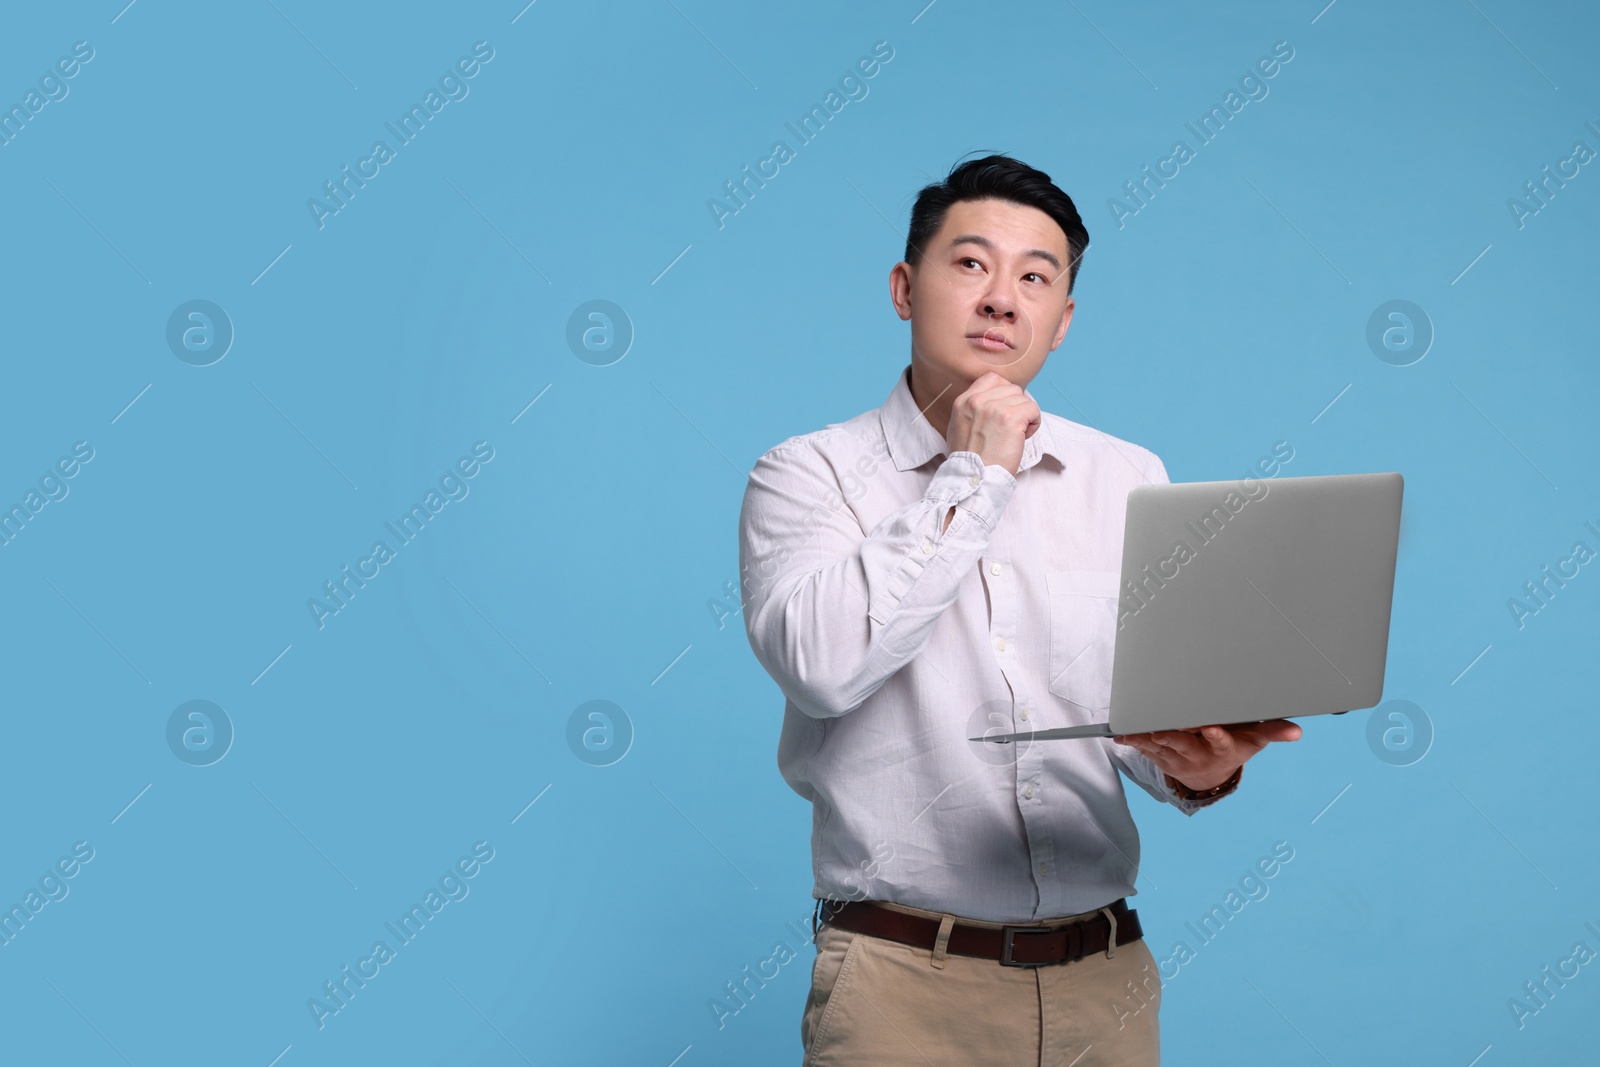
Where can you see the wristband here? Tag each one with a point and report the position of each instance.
(1185, 793)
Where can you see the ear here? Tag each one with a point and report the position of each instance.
(1066, 320)
(900, 289)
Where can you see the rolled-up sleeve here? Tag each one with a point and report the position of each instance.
(832, 611)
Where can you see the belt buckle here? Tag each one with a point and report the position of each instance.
(1007, 934)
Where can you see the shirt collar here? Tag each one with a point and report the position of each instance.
(913, 441)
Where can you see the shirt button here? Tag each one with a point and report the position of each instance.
(1028, 792)
(927, 549)
(994, 568)
(1023, 714)
(1044, 868)
(1000, 643)
(974, 480)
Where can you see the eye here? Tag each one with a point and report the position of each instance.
(1035, 274)
(968, 259)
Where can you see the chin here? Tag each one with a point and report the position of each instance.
(971, 363)
(1002, 363)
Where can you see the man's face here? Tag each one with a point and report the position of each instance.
(995, 268)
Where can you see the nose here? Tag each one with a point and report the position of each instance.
(997, 302)
(999, 307)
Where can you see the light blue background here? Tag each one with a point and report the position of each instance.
(428, 313)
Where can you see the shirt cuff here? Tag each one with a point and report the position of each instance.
(982, 490)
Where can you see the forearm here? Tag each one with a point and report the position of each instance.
(834, 618)
(1160, 785)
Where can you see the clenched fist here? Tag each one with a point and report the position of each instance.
(993, 418)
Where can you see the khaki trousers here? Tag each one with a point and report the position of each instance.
(878, 1003)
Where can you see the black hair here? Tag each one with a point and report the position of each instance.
(996, 177)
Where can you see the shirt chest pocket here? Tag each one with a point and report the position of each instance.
(1083, 634)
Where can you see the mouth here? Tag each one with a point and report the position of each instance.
(990, 340)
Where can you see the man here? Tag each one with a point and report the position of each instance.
(942, 567)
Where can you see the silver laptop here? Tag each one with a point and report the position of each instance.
(1251, 600)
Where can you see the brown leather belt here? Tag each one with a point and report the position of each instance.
(1023, 945)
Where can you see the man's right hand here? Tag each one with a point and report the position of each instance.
(992, 418)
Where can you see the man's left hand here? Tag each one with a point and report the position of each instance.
(1205, 758)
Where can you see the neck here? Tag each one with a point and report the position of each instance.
(935, 395)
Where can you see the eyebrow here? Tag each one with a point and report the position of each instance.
(984, 242)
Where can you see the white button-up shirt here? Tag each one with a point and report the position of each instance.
(893, 642)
